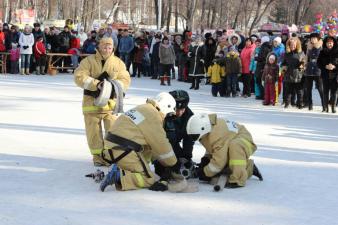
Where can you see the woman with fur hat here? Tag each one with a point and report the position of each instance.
(312, 71)
(293, 67)
(196, 62)
(328, 63)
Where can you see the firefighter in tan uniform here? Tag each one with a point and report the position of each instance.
(136, 138)
(89, 76)
(228, 148)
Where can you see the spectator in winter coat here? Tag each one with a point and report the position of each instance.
(74, 49)
(246, 54)
(12, 37)
(217, 76)
(26, 42)
(65, 37)
(196, 62)
(167, 59)
(293, 69)
(233, 68)
(83, 36)
(265, 49)
(2, 39)
(37, 32)
(328, 64)
(111, 34)
(14, 58)
(178, 53)
(155, 59)
(234, 41)
(40, 55)
(279, 50)
(253, 66)
(140, 43)
(210, 50)
(270, 77)
(222, 45)
(126, 45)
(312, 71)
(90, 44)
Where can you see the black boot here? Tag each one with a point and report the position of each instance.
(162, 81)
(192, 84)
(169, 81)
(333, 108)
(256, 173)
(325, 109)
(310, 107)
(232, 185)
(197, 84)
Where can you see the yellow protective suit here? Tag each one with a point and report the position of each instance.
(86, 77)
(229, 144)
(142, 125)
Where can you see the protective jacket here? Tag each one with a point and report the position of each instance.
(141, 126)
(224, 145)
(87, 74)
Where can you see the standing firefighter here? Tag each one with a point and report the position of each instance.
(95, 74)
(228, 148)
(136, 138)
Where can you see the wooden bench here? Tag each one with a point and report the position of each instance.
(52, 68)
(3, 61)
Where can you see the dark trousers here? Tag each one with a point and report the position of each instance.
(41, 61)
(156, 69)
(14, 67)
(216, 88)
(330, 87)
(246, 84)
(309, 85)
(137, 67)
(231, 84)
(291, 89)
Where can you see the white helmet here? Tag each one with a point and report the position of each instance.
(165, 102)
(199, 125)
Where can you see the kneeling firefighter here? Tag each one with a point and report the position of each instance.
(175, 126)
(136, 138)
(104, 79)
(228, 148)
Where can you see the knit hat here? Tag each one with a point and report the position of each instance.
(278, 40)
(272, 56)
(265, 39)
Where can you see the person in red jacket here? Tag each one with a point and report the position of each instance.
(40, 55)
(75, 44)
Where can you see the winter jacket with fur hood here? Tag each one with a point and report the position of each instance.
(329, 56)
(312, 54)
(293, 62)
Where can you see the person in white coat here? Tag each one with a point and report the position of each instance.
(26, 42)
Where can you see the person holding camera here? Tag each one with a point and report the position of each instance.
(26, 42)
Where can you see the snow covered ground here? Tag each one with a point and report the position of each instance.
(44, 156)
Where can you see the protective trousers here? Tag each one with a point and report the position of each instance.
(134, 169)
(94, 130)
(239, 163)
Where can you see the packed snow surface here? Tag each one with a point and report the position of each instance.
(44, 157)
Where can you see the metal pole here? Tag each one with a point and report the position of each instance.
(159, 14)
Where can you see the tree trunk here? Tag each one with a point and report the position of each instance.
(170, 2)
(202, 15)
(259, 13)
(176, 16)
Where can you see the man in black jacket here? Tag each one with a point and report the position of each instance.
(175, 127)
